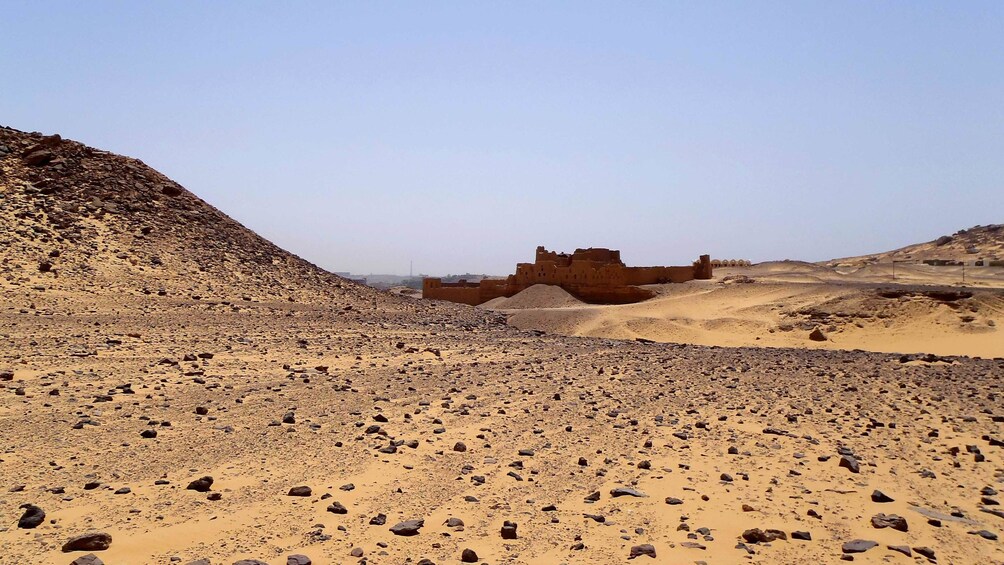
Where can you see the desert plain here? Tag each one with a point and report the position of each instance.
(176, 389)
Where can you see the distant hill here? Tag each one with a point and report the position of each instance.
(80, 218)
(976, 243)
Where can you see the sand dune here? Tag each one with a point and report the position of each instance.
(786, 302)
(537, 296)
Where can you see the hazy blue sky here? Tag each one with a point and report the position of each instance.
(462, 135)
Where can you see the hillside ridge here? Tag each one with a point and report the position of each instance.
(977, 243)
(71, 214)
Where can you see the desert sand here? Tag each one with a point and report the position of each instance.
(780, 304)
(148, 341)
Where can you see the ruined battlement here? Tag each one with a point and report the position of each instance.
(595, 275)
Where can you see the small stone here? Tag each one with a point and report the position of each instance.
(800, 535)
(96, 541)
(879, 496)
(407, 528)
(468, 556)
(32, 517)
(300, 491)
(89, 559)
(850, 463)
(857, 546)
(624, 491)
(756, 535)
(900, 549)
(509, 530)
(337, 508)
(889, 521)
(643, 549)
(201, 485)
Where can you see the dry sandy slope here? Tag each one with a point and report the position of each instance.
(787, 301)
(977, 242)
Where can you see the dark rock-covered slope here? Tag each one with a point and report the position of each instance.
(71, 215)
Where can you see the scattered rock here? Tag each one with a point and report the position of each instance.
(881, 497)
(850, 463)
(643, 549)
(300, 491)
(407, 528)
(624, 491)
(201, 485)
(33, 516)
(95, 541)
(857, 546)
(889, 521)
(905, 550)
(756, 535)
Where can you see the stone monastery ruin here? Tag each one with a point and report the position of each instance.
(594, 275)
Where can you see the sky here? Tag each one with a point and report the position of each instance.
(458, 136)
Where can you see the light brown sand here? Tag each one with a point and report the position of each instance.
(787, 301)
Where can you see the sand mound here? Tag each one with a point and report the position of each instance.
(493, 304)
(539, 296)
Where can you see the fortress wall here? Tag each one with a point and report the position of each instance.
(598, 255)
(593, 275)
(462, 292)
(658, 275)
(577, 273)
(465, 292)
(468, 295)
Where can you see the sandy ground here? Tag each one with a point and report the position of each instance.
(657, 418)
(780, 304)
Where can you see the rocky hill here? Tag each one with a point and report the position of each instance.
(76, 217)
(974, 244)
